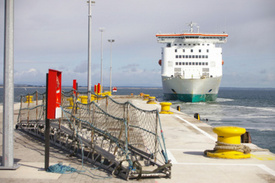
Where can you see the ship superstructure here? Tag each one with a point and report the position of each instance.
(191, 65)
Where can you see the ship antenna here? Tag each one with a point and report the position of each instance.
(191, 24)
(198, 27)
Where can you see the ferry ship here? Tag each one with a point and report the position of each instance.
(191, 65)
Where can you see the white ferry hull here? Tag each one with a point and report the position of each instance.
(191, 90)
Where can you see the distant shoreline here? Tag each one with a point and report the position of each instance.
(141, 87)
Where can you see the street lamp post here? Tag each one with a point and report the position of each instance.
(8, 102)
(101, 78)
(111, 41)
(89, 80)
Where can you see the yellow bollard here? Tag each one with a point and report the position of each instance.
(29, 99)
(229, 144)
(151, 100)
(165, 108)
(197, 116)
(141, 94)
(146, 97)
(71, 100)
(108, 93)
(93, 97)
(84, 99)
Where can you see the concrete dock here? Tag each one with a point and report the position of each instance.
(186, 140)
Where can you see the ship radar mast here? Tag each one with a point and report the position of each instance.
(191, 24)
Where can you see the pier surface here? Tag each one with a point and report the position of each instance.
(186, 140)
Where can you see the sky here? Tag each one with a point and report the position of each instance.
(53, 34)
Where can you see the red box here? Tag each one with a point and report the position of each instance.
(54, 94)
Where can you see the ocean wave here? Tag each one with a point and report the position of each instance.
(261, 129)
(224, 100)
(268, 109)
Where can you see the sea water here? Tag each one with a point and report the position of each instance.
(252, 109)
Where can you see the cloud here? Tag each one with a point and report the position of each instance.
(56, 36)
(31, 76)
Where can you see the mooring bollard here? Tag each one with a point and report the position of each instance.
(229, 144)
(146, 97)
(84, 99)
(29, 99)
(71, 100)
(152, 100)
(197, 116)
(93, 97)
(108, 93)
(165, 108)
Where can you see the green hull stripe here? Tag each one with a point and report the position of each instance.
(191, 97)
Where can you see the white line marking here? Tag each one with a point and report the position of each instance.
(269, 170)
(197, 128)
(171, 157)
(261, 166)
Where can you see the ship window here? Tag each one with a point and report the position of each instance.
(206, 63)
(202, 63)
(193, 56)
(168, 45)
(186, 63)
(177, 63)
(199, 56)
(207, 51)
(180, 44)
(199, 44)
(199, 50)
(207, 44)
(175, 44)
(202, 44)
(189, 56)
(183, 49)
(183, 63)
(177, 56)
(190, 63)
(191, 50)
(180, 63)
(202, 56)
(194, 44)
(193, 63)
(206, 56)
(183, 56)
(199, 63)
(176, 50)
(189, 44)
(184, 44)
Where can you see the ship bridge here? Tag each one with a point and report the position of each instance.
(192, 38)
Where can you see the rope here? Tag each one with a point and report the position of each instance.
(62, 169)
(233, 147)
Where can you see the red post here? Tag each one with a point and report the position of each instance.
(95, 89)
(98, 88)
(74, 86)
